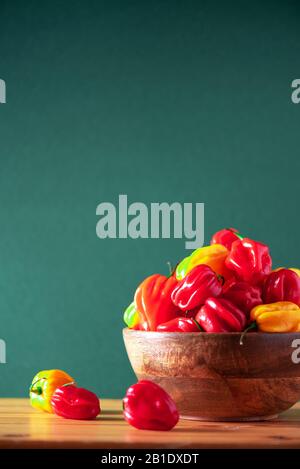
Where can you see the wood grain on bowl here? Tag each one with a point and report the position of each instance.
(213, 377)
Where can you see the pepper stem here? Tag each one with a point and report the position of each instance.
(171, 268)
(238, 235)
(198, 325)
(33, 384)
(253, 325)
(221, 279)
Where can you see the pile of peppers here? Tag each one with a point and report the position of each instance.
(228, 286)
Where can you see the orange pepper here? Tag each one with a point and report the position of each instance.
(43, 386)
(282, 316)
(214, 256)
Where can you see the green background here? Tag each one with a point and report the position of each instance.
(160, 100)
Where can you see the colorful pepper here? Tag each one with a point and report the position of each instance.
(153, 301)
(249, 260)
(71, 402)
(282, 285)
(289, 268)
(214, 256)
(226, 237)
(295, 270)
(179, 325)
(148, 407)
(242, 294)
(282, 316)
(44, 385)
(192, 291)
(219, 315)
(131, 317)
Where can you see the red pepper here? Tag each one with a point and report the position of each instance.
(148, 407)
(179, 325)
(282, 285)
(153, 301)
(225, 237)
(192, 291)
(71, 402)
(219, 315)
(249, 260)
(242, 294)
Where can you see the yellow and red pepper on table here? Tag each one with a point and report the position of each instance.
(222, 287)
(146, 405)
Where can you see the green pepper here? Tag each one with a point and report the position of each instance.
(131, 316)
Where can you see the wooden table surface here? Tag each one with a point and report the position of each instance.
(21, 426)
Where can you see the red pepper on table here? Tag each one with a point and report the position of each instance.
(153, 301)
(242, 294)
(147, 406)
(225, 237)
(282, 285)
(71, 402)
(249, 260)
(179, 325)
(219, 315)
(192, 291)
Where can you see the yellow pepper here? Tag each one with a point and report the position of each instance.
(289, 268)
(44, 385)
(282, 316)
(214, 256)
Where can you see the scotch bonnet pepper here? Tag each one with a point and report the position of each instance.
(44, 385)
(282, 285)
(199, 284)
(181, 324)
(71, 402)
(214, 256)
(152, 300)
(249, 260)
(289, 268)
(226, 237)
(131, 317)
(242, 294)
(148, 407)
(282, 316)
(219, 315)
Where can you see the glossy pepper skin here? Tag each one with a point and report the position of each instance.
(44, 385)
(242, 294)
(249, 260)
(179, 325)
(131, 317)
(282, 285)
(219, 315)
(289, 268)
(282, 316)
(225, 237)
(214, 256)
(71, 402)
(192, 291)
(295, 270)
(148, 407)
(153, 301)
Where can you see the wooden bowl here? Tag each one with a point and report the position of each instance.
(213, 377)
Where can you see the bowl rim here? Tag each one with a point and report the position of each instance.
(127, 330)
